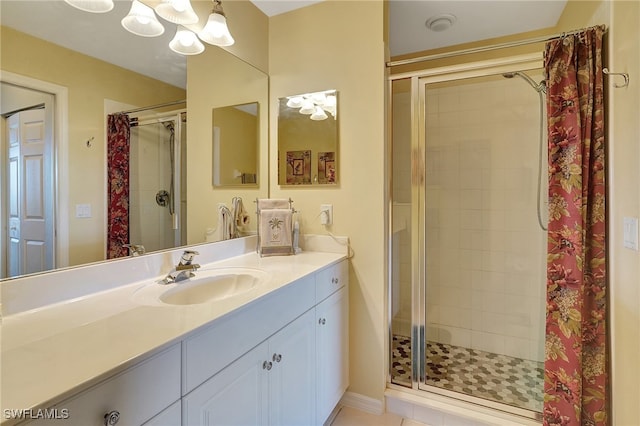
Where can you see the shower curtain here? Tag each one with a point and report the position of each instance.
(576, 381)
(118, 137)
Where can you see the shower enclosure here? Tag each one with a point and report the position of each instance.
(157, 178)
(467, 240)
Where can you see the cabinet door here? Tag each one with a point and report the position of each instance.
(332, 339)
(292, 378)
(237, 395)
(171, 416)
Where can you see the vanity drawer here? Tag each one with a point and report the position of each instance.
(136, 394)
(331, 279)
(230, 337)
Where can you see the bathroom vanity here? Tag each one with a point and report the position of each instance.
(272, 353)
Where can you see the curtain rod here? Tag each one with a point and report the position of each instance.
(152, 107)
(484, 48)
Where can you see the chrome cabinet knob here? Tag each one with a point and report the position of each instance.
(267, 365)
(322, 321)
(111, 418)
(277, 357)
(335, 280)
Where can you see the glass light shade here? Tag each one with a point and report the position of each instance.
(319, 98)
(93, 6)
(177, 11)
(318, 114)
(307, 107)
(216, 31)
(185, 42)
(142, 21)
(295, 102)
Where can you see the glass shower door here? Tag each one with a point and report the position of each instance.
(473, 251)
(155, 183)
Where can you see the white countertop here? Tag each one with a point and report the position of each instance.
(54, 351)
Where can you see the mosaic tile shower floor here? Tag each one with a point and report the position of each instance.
(501, 378)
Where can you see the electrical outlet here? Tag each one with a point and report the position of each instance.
(326, 214)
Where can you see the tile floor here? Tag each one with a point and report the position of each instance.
(348, 416)
(501, 378)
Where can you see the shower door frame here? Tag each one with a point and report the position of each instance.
(176, 117)
(419, 82)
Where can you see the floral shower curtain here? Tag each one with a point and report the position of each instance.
(576, 381)
(118, 131)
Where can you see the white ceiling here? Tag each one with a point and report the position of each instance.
(102, 36)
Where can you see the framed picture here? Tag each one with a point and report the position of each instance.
(326, 167)
(299, 167)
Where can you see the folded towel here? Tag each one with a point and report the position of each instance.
(275, 232)
(273, 203)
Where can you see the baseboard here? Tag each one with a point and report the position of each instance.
(362, 403)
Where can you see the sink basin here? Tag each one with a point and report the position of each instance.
(207, 286)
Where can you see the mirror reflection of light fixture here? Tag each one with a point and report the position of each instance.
(142, 21)
(177, 11)
(307, 107)
(93, 6)
(316, 105)
(318, 114)
(295, 102)
(185, 42)
(216, 31)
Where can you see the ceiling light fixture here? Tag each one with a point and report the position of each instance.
(142, 21)
(177, 11)
(93, 6)
(185, 42)
(216, 31)
(441, 22)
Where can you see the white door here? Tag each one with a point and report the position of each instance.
(292, 377)
(236, 396)
(333, 352)
(30, 206)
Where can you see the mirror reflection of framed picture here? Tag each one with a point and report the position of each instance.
(326, 167)
(299, 167)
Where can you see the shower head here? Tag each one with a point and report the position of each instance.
(538, 87)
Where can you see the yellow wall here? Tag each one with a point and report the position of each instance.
(339, 45)
(238, 142)
(89, 82)
(624, 184)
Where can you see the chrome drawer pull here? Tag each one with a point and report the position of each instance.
(322, 321)
(111, 418)
(267, 365)
(277, 357)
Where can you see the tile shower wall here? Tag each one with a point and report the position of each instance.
(485, 250)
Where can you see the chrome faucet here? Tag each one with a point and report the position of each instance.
(184, 269)
(135, 249)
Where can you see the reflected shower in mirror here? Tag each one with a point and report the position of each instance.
(308, 139)
(235, 144)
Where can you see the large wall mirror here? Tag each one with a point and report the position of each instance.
(95, 87)
(308, 139)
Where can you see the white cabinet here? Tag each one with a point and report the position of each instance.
(332, 339)
(238, 395)
(132, 396)
(171, 416)
(273, 384)
(279, 360)
(292, 377)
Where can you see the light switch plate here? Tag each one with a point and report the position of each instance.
(630, 233)
(83, 210)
